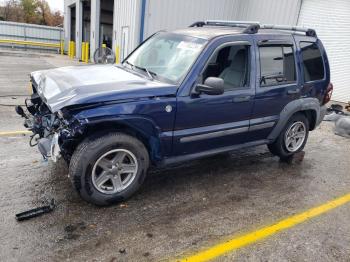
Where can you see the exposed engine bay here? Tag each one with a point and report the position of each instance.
(51, 131)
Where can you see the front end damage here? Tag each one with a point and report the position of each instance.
(68, 104)
(55, 134)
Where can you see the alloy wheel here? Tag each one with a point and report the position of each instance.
(114, 171)
(295, 136)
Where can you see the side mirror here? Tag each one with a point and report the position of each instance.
(211, 86)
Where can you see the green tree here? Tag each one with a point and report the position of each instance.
(30, 11)
(44, 12)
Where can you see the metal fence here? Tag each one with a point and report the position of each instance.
(29, 36)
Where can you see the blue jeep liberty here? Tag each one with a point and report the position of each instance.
(213, 87)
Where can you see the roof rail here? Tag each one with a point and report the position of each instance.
(252, 27)
(307, 31)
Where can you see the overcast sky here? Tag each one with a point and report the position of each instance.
(54, 4)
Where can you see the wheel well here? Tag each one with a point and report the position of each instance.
(311, 116)
(108, 127)
(120, 127)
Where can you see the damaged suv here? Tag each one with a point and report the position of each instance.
(213, 87)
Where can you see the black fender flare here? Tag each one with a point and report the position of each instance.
(299, 105)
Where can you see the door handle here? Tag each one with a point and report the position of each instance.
(239, 99)
(293, 92)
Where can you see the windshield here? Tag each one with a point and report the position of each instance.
(166, 56)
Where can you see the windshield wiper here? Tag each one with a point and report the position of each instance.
(149, 73)
(130, 64)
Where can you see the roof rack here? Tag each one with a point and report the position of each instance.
(253, 27)
(250, 27)
(307, 31)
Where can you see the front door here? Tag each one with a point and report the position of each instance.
(208, 122)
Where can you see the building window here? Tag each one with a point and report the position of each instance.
(277, 65)
(312, 61)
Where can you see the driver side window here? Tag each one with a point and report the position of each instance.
(230, 63)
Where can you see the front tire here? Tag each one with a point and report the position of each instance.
(108, 169)
(292, 138)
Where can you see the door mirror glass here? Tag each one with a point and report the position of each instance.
(211, 86)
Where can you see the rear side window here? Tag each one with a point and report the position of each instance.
(312, 61)
(277, 65)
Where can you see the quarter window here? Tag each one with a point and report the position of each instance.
(312, 62)
(277, 65)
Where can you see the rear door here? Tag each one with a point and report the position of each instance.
(277, 82)
(208, 122)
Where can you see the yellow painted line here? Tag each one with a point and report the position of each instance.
(13, 133)
(250, 238)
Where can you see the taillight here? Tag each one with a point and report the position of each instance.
(328, 94)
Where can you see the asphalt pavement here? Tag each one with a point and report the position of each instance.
(179, 210)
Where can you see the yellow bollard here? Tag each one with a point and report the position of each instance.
(74, 50)
(83, 51)
(69, 49)
(86, 52)
(117, 54)
(62, 47)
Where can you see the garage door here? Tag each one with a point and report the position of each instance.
(331, 19)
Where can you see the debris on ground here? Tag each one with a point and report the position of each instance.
(342, 127)
(341, 119)
(26, 215)
(334, 112)
(71, 230)
(347, 107)
(147, 254)
(122, 251)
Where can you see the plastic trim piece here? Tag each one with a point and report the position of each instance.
(293, 107)
(183, 158)
(214, 134)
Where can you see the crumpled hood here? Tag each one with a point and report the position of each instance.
(77, 85)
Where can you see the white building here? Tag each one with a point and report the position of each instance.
(123, 24)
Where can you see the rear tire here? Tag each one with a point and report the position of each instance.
(292, 138)
(108, 169)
